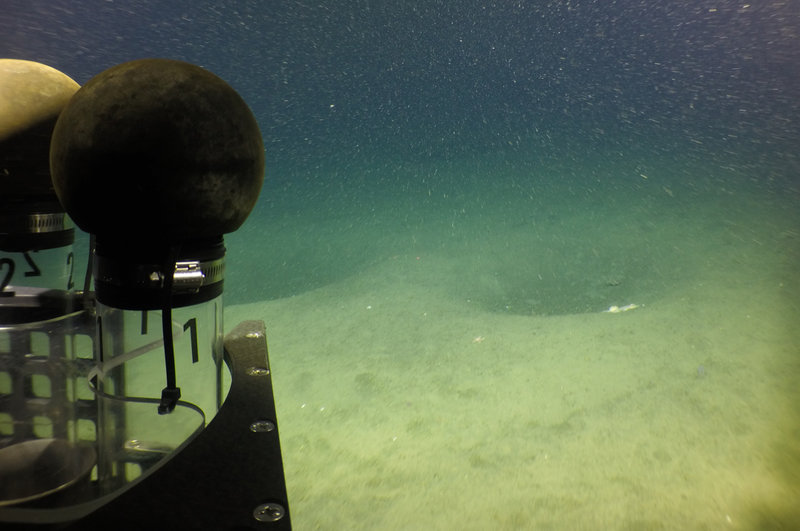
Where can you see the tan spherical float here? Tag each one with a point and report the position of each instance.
(31, 97)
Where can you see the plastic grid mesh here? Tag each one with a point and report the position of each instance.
(43, 388)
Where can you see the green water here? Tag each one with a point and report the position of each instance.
(442, 360)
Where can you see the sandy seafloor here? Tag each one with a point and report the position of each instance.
(465, 376)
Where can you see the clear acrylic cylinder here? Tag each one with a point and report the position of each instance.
(133, 436)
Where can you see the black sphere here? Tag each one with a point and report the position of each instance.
(157, 149)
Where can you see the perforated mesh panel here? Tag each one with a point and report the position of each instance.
(43, 389)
